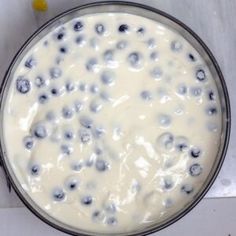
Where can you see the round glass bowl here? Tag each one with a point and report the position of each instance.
(153, 14)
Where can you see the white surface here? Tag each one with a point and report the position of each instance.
(214, 217)
(214, 21)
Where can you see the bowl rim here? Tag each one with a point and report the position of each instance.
(225, 94)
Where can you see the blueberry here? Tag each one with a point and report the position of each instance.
(195, 170)
(40, 131)
(168, 183)
(68, 135)
(35, 170)
(187, 188)
(94, 88)
(86, 122)
(195, 152)
(60, 36)
(30, 63)
(108, 55)
(141, 30)
(166, 140)
(95, 106)
(101, 165)
(100, 29)
(146, 95)
(196, 91)
(39, 81)
(156, 73)
(55, 72)
(151, 43)
(43, 98)
(67, 112)
(107, 77)
(78, 106)
(55, 92)
(154, 56)
(63, 50)
(123, 28)
(182, 89)
(71, 184)
(78, 26)
(191, 57)
(111, 220)
(28, 142)
(181, 143)
(23, 85)
(58, 194)
(67, 150)
(80, 40)
(200, 75)
(134, 59)
(85, 136)
(121, 44)
(87, 200)
(69, 86)
(211, 96)
(164, 120)
(176, 46)
(211, 111)
(91, 64)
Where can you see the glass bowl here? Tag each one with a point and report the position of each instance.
(156, 15)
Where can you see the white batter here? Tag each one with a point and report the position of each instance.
(112, 123)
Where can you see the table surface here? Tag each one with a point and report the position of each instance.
(212, 20)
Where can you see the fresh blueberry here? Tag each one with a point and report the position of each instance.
(182, 89)
(58, 194)
(164, 120)
(67, 112)
(141, 30)
(85, 136)
(154, 56)
(134, 59)
(43, 98)
(70, 86)
(63, 50)
(107, 77)
(55, 72)
(166, 140)
(40, 131)
(78, 26)
(91, 64)
(67, 150)
(80, 40)
(86, 122)
(100, 29)
(23, 85)
(30, 63)
(181, 143)
(28, 142)
(111, 220)
(101, 165)
(55, 92)
(176, 46)
(156, 73)
(108, 55)
(94, 88)
(196, 91)
(200, 75)
(151, 43)
(187, 189)
(40, 81)
(146, 95)
(71, 184)
(87, 200)
(78, 106)
(211, 111)
(95, 106)
(211, 96)
(123, 28)
(68, 135)
(195, 170)
(121, 44)
(191, 57)
(35, 170)
(60, 36)
(195, 152)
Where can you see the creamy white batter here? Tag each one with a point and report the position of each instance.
(112, 123)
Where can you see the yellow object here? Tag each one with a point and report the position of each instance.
(40, 5)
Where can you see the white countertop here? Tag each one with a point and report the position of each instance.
(214, 22)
